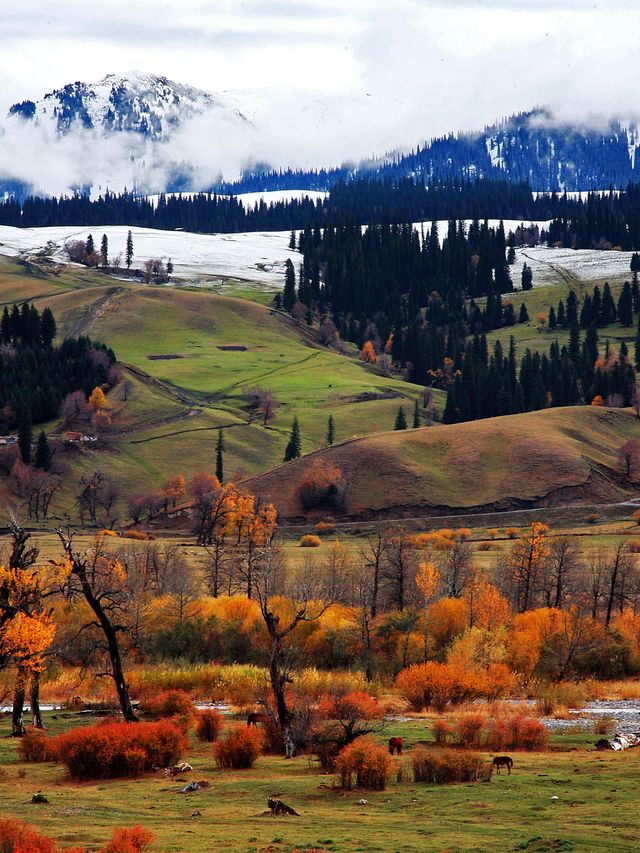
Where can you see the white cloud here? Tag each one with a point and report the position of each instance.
(330, 80)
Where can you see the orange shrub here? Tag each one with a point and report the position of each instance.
(310, 541)
(436, 685)
(517, 733)
(139, 535)
(170, 703)
(240, 748)
(115, 750)
(446, 766)
(324, 527)
(442, 732)
(16, 837)
(366, 763)
(208, 725)
(470, 730)
(134, 839)
(37, 747)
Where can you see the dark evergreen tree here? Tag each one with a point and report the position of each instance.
(527, 277)
(401, 420)
(289, 292)
(330, 430)
(552, 318)
(294, 447)
(129, 250)
(91, 249)
(25, 436)
(416, 416)
(524, 314)
(104, 251)
(220, 457)
(169, 267)
(625, 305)
(43, 452)
(48, 328)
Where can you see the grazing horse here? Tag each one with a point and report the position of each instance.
(502, 761)
(396, 745)
(255, 717)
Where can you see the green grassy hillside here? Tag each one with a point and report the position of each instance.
(539, 458)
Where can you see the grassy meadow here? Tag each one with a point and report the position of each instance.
(595, 810)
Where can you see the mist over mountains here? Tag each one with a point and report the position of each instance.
(150, 134)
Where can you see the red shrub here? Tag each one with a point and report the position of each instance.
(517, 733)
(119, 749)
(470, 730)
(446, 766)
(171, 703)
(240, 748)
(366, 762)
(436, 685)
(37, 747)
(134, 839)
(442, 732)
(209, 725)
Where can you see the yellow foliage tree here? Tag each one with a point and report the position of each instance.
(368, 353)
(97, 400)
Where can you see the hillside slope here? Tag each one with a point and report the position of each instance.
(534, 459)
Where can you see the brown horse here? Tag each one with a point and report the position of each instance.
(502, 761)
(255, 717)
(396, 745)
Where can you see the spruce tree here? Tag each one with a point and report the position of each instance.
(169, 267)
(416, 416)
(524, 314)
(48, 329)
(637, 347)
(25, 436)
(526, 278)
(219, 457)
(289, 292)
(293, 448)
(129, 251)
(552, 318)
(401, 420)
(292, 241)
(43, 452)
(625, 306)
(330, 430)
(104, 252)
(91, 248)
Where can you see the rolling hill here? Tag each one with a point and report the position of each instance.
(536, 459)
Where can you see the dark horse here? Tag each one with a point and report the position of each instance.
(255, 717)
(502, 761)
(396, 745)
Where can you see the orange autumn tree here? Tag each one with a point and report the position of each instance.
(527, 560)
(174, 489)
(26, 628)
(255, 523)
(427, 580)
(97, 399)
(368, 353)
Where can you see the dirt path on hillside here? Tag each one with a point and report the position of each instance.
(565, 276)
(94, 311)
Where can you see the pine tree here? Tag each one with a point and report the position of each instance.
(524, 314)
(43, 452)
(91, 249)
(401, 420)
(292, 241)
(625, 306)
(552, 318)
(289, 292)
(330, 430)
(637, 347)
(104, 251)
(129, 251)
(219, 457)
(416, 416)
(293, 448)
(48, 329)
(25, 436)
(169, 267)
(526, 278)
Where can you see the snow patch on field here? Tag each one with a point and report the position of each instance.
(553, 266)
(256, 257)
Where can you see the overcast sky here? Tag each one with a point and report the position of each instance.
(392, 72)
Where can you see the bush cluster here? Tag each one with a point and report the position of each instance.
(473, 731)
(239, 749)
(208, 725)
(445, 766)
(16, 837)
(36, 746)
(170, 703)
(365, 763)
(116, 750)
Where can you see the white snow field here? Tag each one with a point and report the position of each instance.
(254, 257)
(259, 257)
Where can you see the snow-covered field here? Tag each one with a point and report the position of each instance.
(251, 199)
(255, 257)
(260, 257)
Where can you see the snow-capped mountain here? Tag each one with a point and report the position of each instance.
(141, 103)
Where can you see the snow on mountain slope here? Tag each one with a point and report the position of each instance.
(256, 257)
(147, 104)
